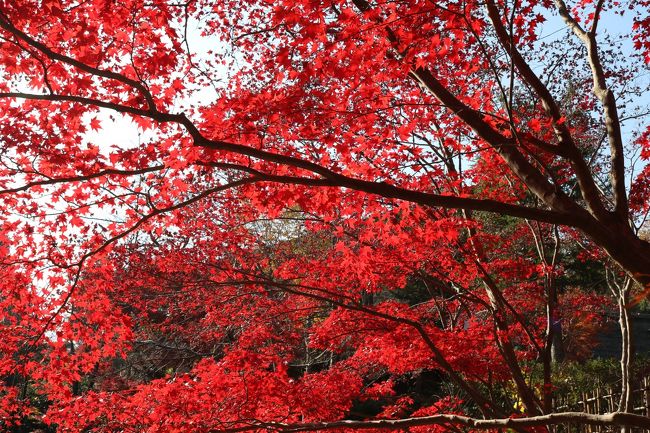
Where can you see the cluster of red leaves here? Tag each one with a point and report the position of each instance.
(155, 287)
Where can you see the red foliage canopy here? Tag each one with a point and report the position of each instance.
(231, 216)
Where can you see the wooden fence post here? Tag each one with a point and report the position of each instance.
(646, 395)
(597, 406)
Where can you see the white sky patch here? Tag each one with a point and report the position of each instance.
(116, 130)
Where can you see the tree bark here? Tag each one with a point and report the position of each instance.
(627, 351)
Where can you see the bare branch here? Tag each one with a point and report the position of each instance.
(610, 110)
(570, 149)
(611, 419)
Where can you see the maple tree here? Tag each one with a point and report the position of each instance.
(334, 214)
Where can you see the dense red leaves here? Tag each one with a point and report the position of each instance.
(266, 256)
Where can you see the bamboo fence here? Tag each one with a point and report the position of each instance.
(600, 401)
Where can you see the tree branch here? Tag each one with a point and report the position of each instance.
(6, 24)
(611, 419)
(334, 179)
(120, 108)
(583, 174)
(81, 178)
(610, 111)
